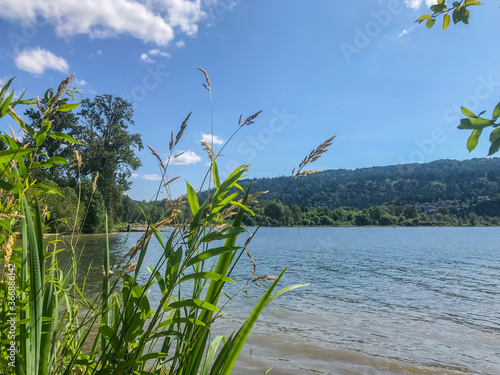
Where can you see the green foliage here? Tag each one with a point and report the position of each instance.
(32, 303)
(459, 13)
(108, 148)
(55, 146)
(61, 209)
(94, 216)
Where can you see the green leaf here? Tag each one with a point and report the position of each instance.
(495, 134)
(210, 254)
(446, 21)
(159, 279)
(149, 356)
(40, 139)
(238, 204)
(67, 107)
(430, 22)
(4, 107)
(206, 275)
(6, 185)
(215, 172)
(496, 111)
(438, 8)
(466, 17)
(192, 199)
(240, 339)
(495, 146)
(223, 234)
(474, 123)
(61, 136)
(5, 88)
(106, 331)
(210, 355)
(423, 18)
(6, 156)
(37, 271)
(195, 303)
(473, 139)
(459, 14)
(58, 160)
(467, 113)
(50, 189)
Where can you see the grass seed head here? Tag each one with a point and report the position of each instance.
(250, 119)
(77, 159)
(160, 162)
(208, 85)
(316, 154)
(62, 88)
(94, 183)
(13, 134)
(181, 131)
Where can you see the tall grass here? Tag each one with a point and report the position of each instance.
(61, 329)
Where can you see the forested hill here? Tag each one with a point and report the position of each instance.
(437, 181)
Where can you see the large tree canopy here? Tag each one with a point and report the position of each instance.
(108, 147)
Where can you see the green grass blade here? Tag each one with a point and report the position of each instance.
(210, 355)
(245, 330)
(105, 284)
(26, 360)
(36, 285)
(48, 317)
(213, 293)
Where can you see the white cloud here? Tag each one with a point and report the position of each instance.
(134, 175)
(415, 4)
(180, 43)
(151, 177)
(80, 82)
(188, 157)
(145, 57)
(38, 60)
(208, 138)
(407, 31)
(148, 20)
(157, 52)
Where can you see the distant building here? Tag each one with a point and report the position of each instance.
(429, 208)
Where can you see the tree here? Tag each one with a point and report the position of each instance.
(460, 13)
(61, 122)
(109, 148)
(410, 212)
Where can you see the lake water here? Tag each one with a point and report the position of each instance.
(379, 300)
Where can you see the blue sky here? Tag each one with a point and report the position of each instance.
(390, 89)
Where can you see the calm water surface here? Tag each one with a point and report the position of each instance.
(380, 300)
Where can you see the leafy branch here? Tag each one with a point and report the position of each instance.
(458, 11)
